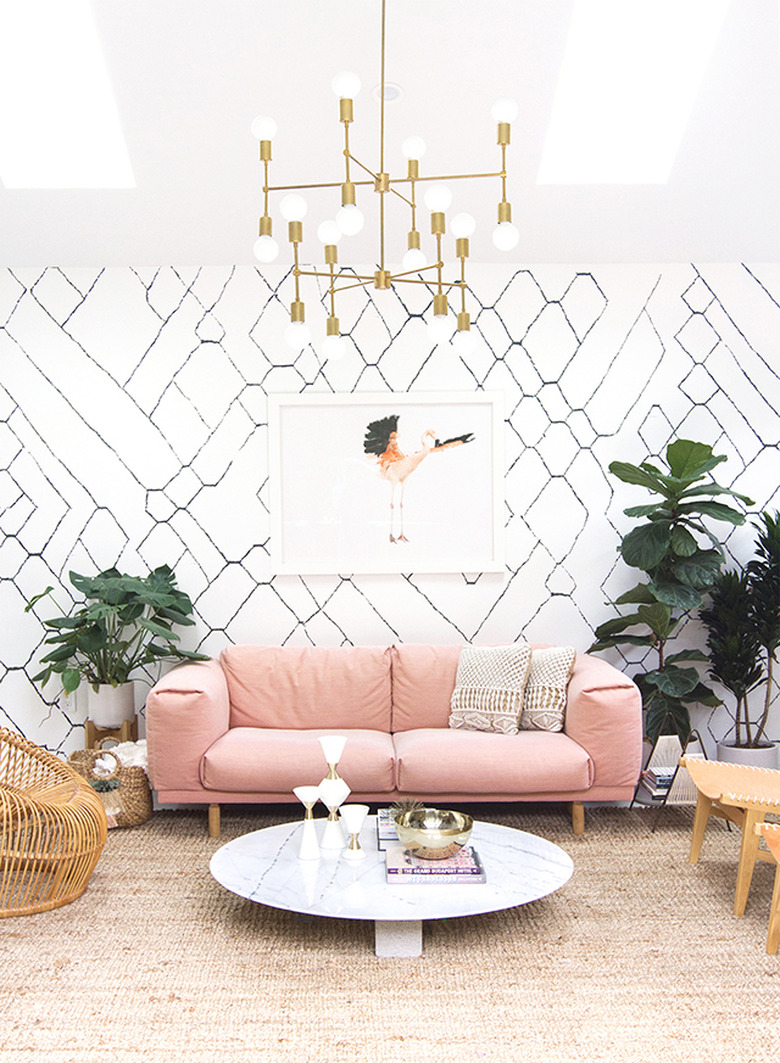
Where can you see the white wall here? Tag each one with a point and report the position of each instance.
(133, 430)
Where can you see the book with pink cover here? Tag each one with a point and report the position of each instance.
(465, 866)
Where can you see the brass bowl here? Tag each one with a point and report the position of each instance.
(433, 833)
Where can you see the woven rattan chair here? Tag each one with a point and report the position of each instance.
(742, 795)
(52, 829)
(771, 835)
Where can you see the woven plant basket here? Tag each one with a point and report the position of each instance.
(127, 804)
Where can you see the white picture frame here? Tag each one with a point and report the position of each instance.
(331, 499)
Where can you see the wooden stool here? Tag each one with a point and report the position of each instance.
(52, 829)
(126, 732)
(771, 835)
(742, 795)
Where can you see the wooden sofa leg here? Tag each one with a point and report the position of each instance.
(578, 817)
(214, 824)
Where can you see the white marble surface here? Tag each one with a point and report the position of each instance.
(264, 867)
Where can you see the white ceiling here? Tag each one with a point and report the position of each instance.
(190, 75)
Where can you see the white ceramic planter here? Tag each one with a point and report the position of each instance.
(110, 706)
(764, 757)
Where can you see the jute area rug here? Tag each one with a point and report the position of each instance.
(637, 958)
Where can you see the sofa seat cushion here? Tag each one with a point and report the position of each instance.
(308, 686)
(251, 759)
(434, 760)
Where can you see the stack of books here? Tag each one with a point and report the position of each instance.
(655, 783)
(402, 867)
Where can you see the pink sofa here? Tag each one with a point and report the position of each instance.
(244, 729)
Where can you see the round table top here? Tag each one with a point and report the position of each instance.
(264, 866)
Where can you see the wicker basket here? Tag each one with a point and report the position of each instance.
(128, 802)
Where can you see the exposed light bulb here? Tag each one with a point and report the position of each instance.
(297, 335)
(346, 85)
(414, 259)
(440, 329)
(350, 220)
(462, 225)
(328, 232)
(505, 236)
(333, 348)
(265, 249)
(504, 111)
(438, 198)
(464, 342)
(413, 148)
(264, 128)
(293, 207)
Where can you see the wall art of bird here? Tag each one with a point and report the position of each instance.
(381, 441)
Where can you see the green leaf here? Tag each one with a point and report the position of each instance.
(633, 474)
(654, 508)
(675, 594)
(674, 681)
(639, 595)
(71, 678)
(688, 460)
(699, 571)
(715, 489)
(617, 640)
(616, 625)
(683, 543)
(686, 655)
(715, 510)
(658, 618)
(646, 546)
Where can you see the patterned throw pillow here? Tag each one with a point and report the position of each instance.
(489, 686)
(544, 700)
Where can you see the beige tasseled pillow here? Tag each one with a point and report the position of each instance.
(544, 700)
(489, 686)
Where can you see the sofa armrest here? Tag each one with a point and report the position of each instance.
(186, 712)
(604, 716)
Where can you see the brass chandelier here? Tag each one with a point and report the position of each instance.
(349, 220)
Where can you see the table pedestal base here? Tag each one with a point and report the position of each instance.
(398, 937)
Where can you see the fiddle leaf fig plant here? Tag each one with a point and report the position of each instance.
(681, 557)
(124, 624)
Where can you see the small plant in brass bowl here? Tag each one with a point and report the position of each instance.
(433, 833)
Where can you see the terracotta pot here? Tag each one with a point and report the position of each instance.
(763, 757)
(110, 706)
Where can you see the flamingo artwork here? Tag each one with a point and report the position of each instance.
(381, 441)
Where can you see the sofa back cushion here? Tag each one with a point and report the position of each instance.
(298, 687)
(423, 682)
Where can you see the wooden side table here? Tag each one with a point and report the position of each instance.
(126, 732)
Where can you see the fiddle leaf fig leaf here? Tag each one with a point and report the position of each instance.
(646, 546)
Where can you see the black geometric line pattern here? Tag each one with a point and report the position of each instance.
(134, 431)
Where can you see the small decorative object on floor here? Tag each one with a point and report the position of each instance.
(353, 817)
(433, 833)
(464, 866)
(309, 847)
(119, 778)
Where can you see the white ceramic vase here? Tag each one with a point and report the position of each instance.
(111, 706)
(763, 757)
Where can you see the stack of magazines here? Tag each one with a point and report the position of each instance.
(402, 867)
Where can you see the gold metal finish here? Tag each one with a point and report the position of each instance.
(433, 833)
(382, 182)
(332, 326)
(265, 228)
(297, 311)
(464, 322)
(440, 305)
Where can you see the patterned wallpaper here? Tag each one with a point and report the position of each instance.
(133, 430)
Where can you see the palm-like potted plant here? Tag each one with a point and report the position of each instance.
(681, 558)
(742, 620)
(124, 624)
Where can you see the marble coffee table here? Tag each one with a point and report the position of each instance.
(264, 867)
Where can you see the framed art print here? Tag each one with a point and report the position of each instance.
(386, 483)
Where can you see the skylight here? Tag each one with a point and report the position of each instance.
(630, 75)
(59, 125)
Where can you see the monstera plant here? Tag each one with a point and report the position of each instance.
(674, 546)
